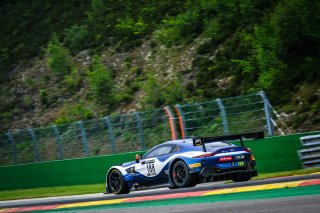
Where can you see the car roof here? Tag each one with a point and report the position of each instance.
(179, 142)
(187, 144)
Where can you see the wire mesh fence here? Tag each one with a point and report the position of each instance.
(224, 116)
(109, 135)
(136, 131)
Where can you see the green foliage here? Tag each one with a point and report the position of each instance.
(73, 80)
(26, 27)
(183, 27)
(4, 55)
(130, 26)
(153, 92)
(174, 92)
(29, 82)
(158, 94)
(59, 60)
(125, 95)
(43, 94)
(27, 101)
(266, 54)
(101, 83)
(75, 37)
(74, 112)
(248, 45)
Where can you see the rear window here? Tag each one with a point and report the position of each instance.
(211, 147)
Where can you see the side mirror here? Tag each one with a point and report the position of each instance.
(138, 157)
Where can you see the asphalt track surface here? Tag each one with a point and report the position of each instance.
(299, 204)
(150, 192)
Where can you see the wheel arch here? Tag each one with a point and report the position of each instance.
(119, 168)
(170, 169)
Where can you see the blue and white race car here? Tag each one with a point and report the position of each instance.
(185, 163)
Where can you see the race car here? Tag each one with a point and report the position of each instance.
(185, 163)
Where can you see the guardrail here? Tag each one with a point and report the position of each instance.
(310, 155)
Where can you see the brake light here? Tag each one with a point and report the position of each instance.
(204, 156)
(246, 149)
(225, 158)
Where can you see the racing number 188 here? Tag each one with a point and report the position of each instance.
(151, 169)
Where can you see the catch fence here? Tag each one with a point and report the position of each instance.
(137, 131)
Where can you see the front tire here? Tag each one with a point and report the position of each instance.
(180, 175)
(116, 183)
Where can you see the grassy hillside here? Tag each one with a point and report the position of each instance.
(62, 61)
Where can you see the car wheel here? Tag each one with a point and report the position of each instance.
(180, 175)
(116, 182)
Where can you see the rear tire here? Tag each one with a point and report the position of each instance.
(180, 175)
(116, 183)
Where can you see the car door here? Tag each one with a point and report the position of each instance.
(152, 168)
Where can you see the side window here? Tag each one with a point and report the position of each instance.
(177, 148)
(162, 150)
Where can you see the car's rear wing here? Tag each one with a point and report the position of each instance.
(200, 141)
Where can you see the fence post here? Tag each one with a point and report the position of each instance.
(182, 121)
(111, 135)
(223, 116)
(140, 129)
(59, 142)
(35, 145)
(84, 139)
(13, 147)
(267, 110)
(172, 122)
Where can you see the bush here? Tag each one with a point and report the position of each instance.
(73, 80)
(43, 93)
(59, 60)
(183, 27)
(27, 102)
(130, 27)
(174, 92)
(75, 37)
(101, 83)
(153, 92)
(74, 112)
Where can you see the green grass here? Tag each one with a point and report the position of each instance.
(288, 173)
(52, 191)
(99, 188)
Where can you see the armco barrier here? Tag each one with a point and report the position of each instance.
(273, 154)
(310, 154)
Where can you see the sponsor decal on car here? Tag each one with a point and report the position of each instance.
(194, 165)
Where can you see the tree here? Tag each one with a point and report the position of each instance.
(101, 83)
(59, 60)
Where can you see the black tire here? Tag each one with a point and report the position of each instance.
(180, 175)
(116, 183)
